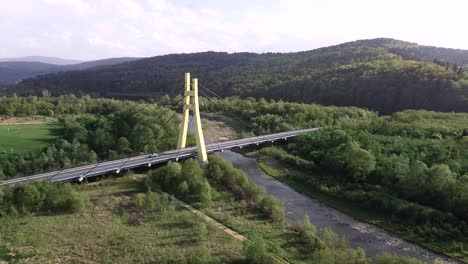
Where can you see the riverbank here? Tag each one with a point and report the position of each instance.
(372, 239)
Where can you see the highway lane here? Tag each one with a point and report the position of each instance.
(96, 169)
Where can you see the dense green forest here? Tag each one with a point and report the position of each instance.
(380, 74)
(90, 129)
(411, 166)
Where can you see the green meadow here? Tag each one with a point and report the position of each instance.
(26, 137)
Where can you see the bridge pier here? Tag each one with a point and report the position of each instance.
(191, 102)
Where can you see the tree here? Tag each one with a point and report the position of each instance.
(28, 198)
(205, 192)
(357, 161)
(440, 178)
(2, 175)
(183, 188)
(123, 146)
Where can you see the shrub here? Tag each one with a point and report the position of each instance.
(139, 200)
(200, 230)
(151, 200)
(200, 255)
(255, 250)
(34, 197)
(272, 208)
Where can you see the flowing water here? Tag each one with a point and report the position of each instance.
(372, 239)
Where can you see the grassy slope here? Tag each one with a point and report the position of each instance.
(27, 137)
(281, 240)
(358, 212)
(101, 233)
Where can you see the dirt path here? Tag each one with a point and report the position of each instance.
(211, 220)
(20, 121)
(372, 239)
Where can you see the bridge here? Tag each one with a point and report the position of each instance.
(182, 152)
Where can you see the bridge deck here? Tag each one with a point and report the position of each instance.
(143, 160)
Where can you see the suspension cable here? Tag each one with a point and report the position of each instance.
(247, 126)
(222, 106)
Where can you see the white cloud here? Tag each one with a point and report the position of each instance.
(210, 12)
(90, 29)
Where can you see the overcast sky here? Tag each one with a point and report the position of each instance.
(94, 29)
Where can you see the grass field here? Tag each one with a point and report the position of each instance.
(26, 137)
(103, 232)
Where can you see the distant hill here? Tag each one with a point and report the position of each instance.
(12, 72)
(48, 60)
(386, 75)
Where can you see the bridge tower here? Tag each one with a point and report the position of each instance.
(191, 103)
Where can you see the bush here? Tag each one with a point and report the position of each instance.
(272, 208)
(151, 200)
(200, 230)
(201, 255)
(307, 233)
(139, 200)
(255, 250)
(43, 196)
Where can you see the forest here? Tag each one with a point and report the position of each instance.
(91, 130)
(384, 75)
(411, 166)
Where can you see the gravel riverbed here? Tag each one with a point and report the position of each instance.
(372, 239)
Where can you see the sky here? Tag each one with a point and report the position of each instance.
(97, 29)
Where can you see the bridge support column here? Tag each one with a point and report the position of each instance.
(191, 102)
(185, 114)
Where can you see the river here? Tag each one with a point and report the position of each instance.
(372, 239)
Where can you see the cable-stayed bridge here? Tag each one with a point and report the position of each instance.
(191, 103)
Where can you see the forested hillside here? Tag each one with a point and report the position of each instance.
(15, 71)
(410, 167)
(381, 74)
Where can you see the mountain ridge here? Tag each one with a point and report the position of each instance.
(43, 59)
(12, 72)
(402, 75)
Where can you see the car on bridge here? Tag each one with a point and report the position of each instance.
(153, 155)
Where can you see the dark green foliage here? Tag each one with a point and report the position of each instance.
(35, 197)
(235, 180)
(115, 129)
(272, 208)
(411, 166)
(187, 181)
(14, 71)
(225, 175)
(307, 233)
(380, 74)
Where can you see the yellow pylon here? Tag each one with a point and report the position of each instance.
(194, 105)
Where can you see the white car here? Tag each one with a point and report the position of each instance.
(153, 155)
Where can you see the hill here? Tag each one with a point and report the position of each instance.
(48, 60)
(386, 75)
(12, 72)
